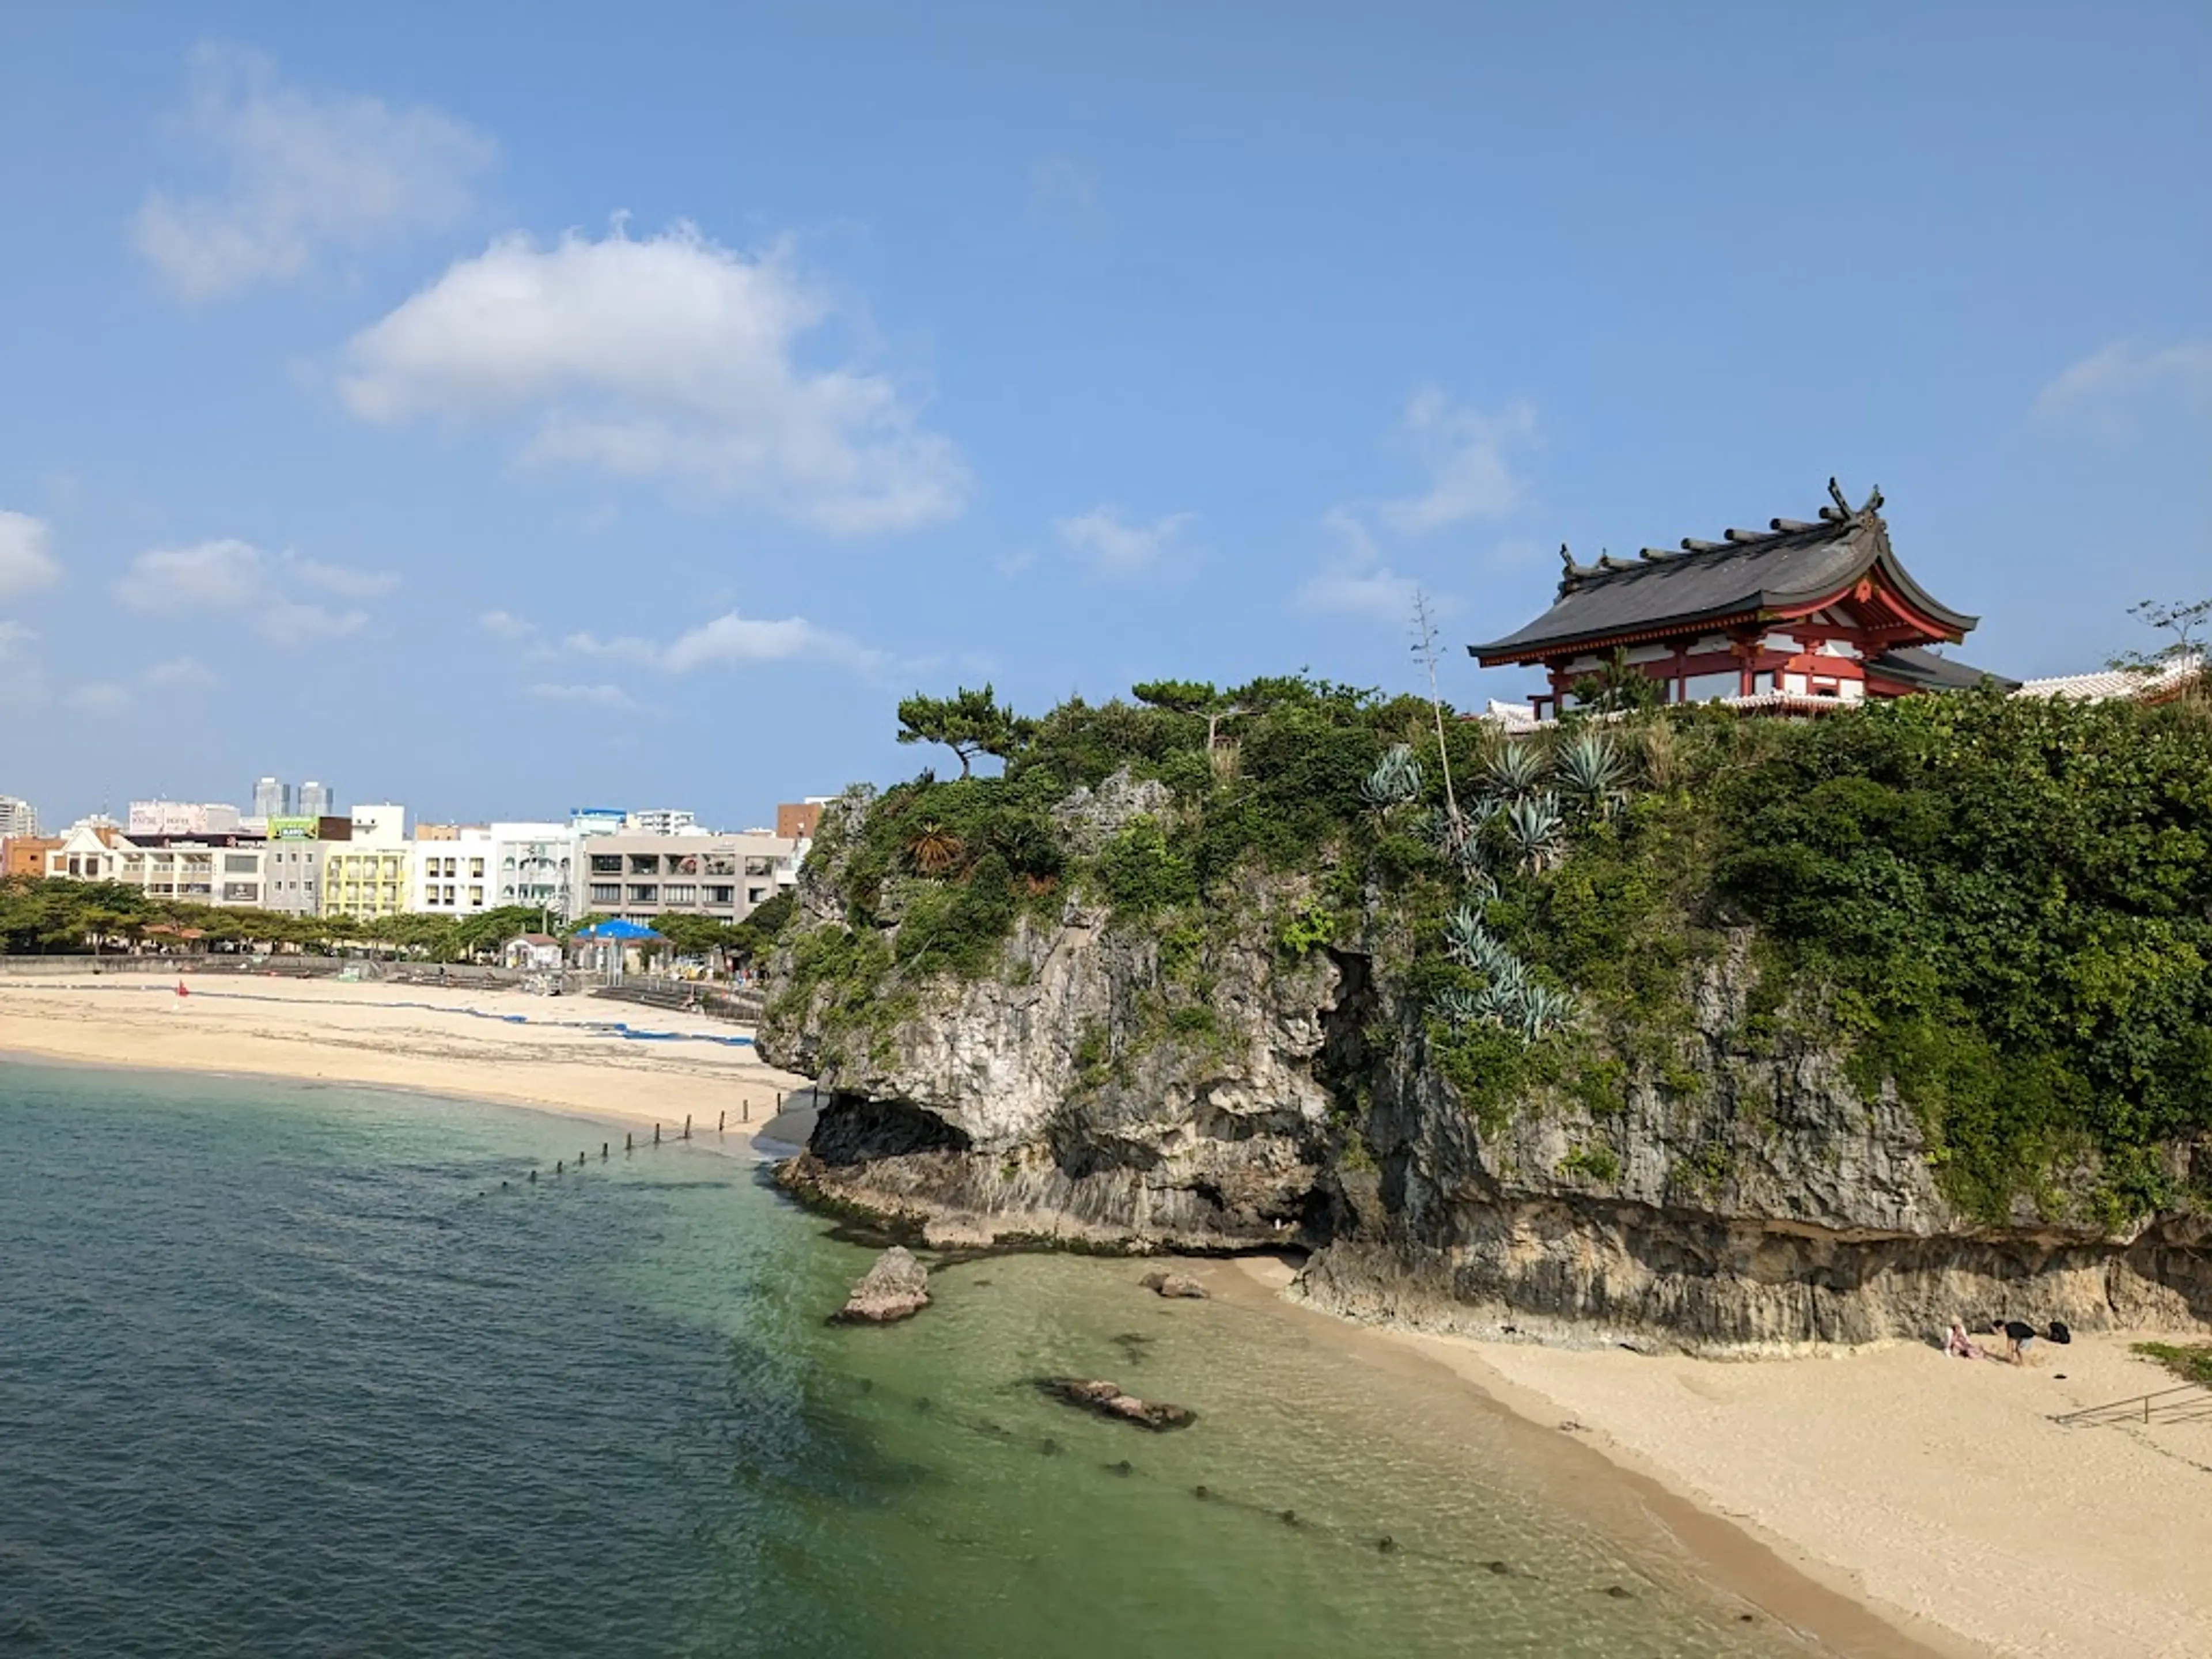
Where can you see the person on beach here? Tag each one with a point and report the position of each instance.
(1959, 1345)
(2018, 1333)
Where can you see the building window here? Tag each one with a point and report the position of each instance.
(679, 893)
(476, 869)
(644, 892)
(757, 866)
(721, 895)
(645, 864)
(607, 892)
(606, 864)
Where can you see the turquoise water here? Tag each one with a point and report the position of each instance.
(290, 1371)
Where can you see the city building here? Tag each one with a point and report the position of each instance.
(273, 798)
(1797, 617)
(181, 818)
(450, 876)
(597, 820)
(86, 852)
(639, 877)
(484, 867)
(293, 870)
(26, 855)
(800, 820)
(662, 821)
(367, 875)
(315, 801)
(17, 817)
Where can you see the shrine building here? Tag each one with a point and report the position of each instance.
(1797, 617)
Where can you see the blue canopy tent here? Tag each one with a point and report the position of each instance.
(612, 940)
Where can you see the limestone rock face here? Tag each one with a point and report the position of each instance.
(1742, 1196)
(897, 1287)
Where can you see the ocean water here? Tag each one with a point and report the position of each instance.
(290, 1371)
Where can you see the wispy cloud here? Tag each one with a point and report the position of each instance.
(179, 674)
(26, 559)
(2125, 369)
(734, 640)
(100, 697)
(299, 174)
(667, 358)
(1112, 546)
(504, 624)
(227, 574)
(1465, 453)
(1357, 583)
(595, 697)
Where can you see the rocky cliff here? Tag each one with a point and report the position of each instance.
(1116, 1086)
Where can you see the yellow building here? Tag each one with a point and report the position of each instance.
(364, 882)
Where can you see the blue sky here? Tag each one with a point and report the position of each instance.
(500, 408)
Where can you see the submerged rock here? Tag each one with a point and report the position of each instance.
(897, 1287)
(1106, 1400)
(1174, 1285)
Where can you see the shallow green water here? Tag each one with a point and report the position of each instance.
(288, 1371)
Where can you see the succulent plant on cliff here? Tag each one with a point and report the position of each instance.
(1537, 832)
(1396, 780)
(1591, 775)
(1515, 772)
(934, 850)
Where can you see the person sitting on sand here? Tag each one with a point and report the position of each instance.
(2018, 1334)
(1959, 1345)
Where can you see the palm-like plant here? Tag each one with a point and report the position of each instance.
(1544, 1011)
(1591, 773)
(1396, 780)
(1537, 831)
(934, 849)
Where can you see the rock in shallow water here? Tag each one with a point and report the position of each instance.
(1106, 1400)
(897, 1287)
(1174, 1285)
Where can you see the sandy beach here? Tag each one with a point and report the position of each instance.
(1938, 1492)
(457, 1043)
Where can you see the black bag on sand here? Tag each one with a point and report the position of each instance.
(2059, 1333)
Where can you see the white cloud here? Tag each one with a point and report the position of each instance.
(2127, 367)
(301, 173)
(506, 625)
(669, 358)
(1465, 454)
(347, 584)
(100, 697)
(228, 575)
(1116, 548)
(596, 696)
(732, 639)
(26, 559)
(180, 674)
(1358, 584)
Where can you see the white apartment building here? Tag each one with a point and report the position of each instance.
(485, 867)
(662, 821)
(17, 817)
(218, 871)
(639, 877)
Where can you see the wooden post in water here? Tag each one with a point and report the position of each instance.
(721, 1123)
(656, 1135)
(603, 1151)
(687, 1126)
(629, 1143)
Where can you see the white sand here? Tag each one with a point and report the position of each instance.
(1939, 1490)
(235, 1023)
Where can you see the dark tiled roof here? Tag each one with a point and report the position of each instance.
(1930, 672)
(1788, 564)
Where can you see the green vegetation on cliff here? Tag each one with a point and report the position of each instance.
(2003, 906)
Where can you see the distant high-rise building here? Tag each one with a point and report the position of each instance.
(272, 799)
(663, 821)
(316, 801)
(17, 817)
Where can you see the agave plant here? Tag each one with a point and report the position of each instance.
(1515, 772)
(1591, 773)
(1544, 1011)
(1396, 780)
(1537, 831)
(1456, 1006)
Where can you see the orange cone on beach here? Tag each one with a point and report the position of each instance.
(180, 989)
